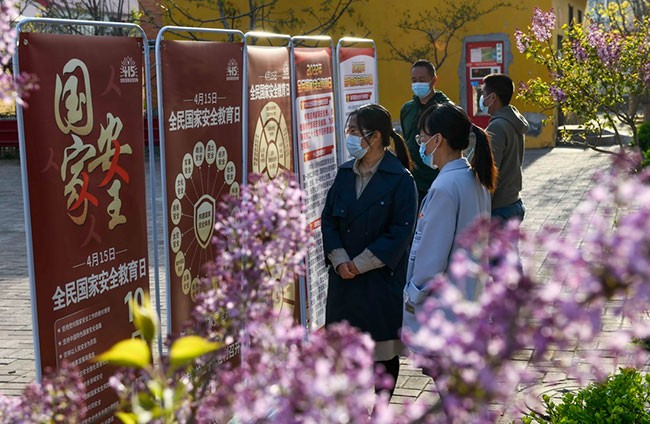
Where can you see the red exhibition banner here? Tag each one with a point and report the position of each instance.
(270, 141)
(315, 120)
(202, 109)
(84, 144)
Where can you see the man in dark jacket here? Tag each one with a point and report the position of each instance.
(507, 129)
(423, 84)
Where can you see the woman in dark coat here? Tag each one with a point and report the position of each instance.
(367, 225)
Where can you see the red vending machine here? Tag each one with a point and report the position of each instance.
(483, 58)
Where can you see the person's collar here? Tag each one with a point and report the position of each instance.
(389, 163)
(428, 102)
(455, 164)
(371, 171)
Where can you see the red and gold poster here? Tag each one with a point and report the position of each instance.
(270, 141)
(202, 114)
(315, 119)
(84, 142)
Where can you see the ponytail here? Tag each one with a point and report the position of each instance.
(483, 160)
(401, 151)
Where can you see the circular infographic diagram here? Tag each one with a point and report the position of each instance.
(272, 143)
(206, 175)
(272, 154)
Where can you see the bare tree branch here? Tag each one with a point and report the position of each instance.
(437, 27)
(268, 15)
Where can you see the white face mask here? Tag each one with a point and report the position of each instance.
(481, 104)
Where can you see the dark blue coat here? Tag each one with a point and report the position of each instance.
(382, 220)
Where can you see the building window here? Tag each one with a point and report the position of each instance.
(579, 16)
(570, 15)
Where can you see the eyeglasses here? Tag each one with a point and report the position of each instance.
(420, 140)
(355, 131)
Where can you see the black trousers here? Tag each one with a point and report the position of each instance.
(390, 367)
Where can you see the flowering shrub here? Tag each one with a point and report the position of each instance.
(592, 72)
(58, 399)
(11, 89)
(261, 240)
(287, 375)
(470, 357)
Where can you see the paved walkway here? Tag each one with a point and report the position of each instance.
(555, 181)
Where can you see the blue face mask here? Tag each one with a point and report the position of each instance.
(428, 159)
(421, 89)
(353, 143)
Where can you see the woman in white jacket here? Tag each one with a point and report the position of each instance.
(459, 195)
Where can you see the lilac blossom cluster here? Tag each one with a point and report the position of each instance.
(606, 44)
(60, 398)
(646, 74)
(579, 51)
(592, 72)
(260, 242)
(543, 24)
(603, 262)
(557, 94)
(521, 40)
(8, 14)
(542, 27)
(11, 89)
(289, 378)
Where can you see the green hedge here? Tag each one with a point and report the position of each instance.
(621, 399)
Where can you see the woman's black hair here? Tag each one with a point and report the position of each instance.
(373, 117)
(454, 124)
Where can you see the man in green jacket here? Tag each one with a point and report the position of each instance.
(425, 95)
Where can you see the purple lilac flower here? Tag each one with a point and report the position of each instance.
(327, 377)
(606, 44)
(579, 51)
(543, 24)
(60, 398)
(523, 88)
(646, 74)
(8, 15)
(11, 89)
(261, 241)
(557, 94)
(522, 41)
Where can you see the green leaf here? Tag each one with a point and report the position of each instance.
(188, 348)
(133, 353)
(145, 319)
(127, 417)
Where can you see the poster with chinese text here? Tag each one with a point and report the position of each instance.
(270, 139)
(357, 85)
(84, 143)
(202, 111)
(316, 143)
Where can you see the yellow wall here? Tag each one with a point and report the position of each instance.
(381, 18)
